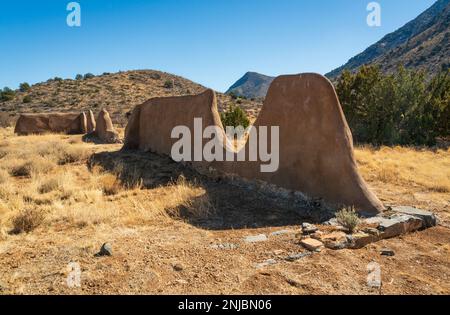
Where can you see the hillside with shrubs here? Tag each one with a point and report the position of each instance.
(117, 92)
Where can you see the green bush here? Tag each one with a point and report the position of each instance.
(79, 77)
(26, 99)
(24, 87)
(168, 84)
(88, 76)
(7, 94)
(399, 108)
(234, 116)
(348, 218)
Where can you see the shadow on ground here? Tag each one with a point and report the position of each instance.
(235, 207)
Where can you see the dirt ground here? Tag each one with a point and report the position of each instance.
(176, 255)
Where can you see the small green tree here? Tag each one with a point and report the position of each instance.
(168, 84)
(7, 94)
(79, 77)
(234, 116)
(88, 76)
(24, 87)
(26, 99)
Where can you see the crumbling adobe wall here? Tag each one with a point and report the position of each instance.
(69, 123)
(316, 145)
(150, 125)
(315, 148)
(104, 128)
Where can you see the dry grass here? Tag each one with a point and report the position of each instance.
(423, 168)
(50, 178)
(27, 220)
(46, 177)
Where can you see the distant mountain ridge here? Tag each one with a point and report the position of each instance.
(251, 85)
(423, 43)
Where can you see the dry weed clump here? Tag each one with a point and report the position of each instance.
(27, 220)
(34, 166)
(348, 218)
(188, 200)
(110, 184)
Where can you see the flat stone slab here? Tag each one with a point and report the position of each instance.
(266, 263)
(296, 257)
(311, 244)
(282, 232)
(397, 221)
(256, 238)
(429, 218)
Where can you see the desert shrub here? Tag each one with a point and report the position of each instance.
(27, 220)
(110, 184)
(72, 154)
(399, 108)
(234, 116)
(168, 84)
(6, 120)
(26, 99)
(7, 94)
(233, 95)
(37, 165)
(24, 87)
(348, 218)
(155, 76)
(49, 185)
(79, 77)
(89, 76)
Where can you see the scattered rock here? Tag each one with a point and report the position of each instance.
(311, 244)
(282, 232)
(335, 240)
(178, 267)
(296, 257)
(255, 238)
(105, 250)
(266, 263)
(308, 228)
(226, 246)
(278, 252)
(360, 239)
(317, 235)
(371, 231)
(387, 252)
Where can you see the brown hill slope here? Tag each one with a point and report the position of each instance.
(423, 43)
(117, 92)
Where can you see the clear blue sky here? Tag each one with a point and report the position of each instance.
(213, 42)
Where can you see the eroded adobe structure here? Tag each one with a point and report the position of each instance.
(69, 123)
(315, 143)
(104, 128)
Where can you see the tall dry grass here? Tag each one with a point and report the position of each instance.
(421, 168)
(45, 183)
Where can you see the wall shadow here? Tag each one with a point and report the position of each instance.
(235, 207)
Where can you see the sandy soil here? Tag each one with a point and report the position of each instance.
(177, 256)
